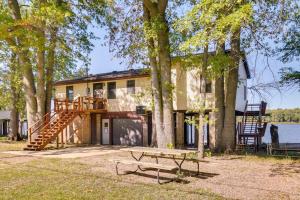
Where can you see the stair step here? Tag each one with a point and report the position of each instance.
(50, 131)
(30, 149)
(45, 136)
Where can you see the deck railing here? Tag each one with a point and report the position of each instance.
(40, 124)
(82, 103)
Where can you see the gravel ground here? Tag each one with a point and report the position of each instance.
(234, 177)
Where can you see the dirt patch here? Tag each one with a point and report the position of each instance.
(235, 177)
(231, 176)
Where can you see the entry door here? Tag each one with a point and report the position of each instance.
(5, 127)
(105, 131)
(190, 133)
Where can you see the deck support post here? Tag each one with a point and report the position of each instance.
(62, 138)
(57, 143)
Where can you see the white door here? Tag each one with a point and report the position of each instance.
(105, 131)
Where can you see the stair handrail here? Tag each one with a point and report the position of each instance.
(52, 118)
(37, 125)
(50, 121)
(244, 117)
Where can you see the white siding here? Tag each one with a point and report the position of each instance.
(5, 114)
(242, 88)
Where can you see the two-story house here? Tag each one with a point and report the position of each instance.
(115, 107)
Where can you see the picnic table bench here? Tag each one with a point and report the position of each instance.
(282, 148)
(140, 164)
(177, 155)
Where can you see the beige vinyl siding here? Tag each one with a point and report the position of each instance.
(186, 93)
(123, 101)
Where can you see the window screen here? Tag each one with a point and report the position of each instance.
(208, 88)
(70, 93)
(131, 87)
(111, 88)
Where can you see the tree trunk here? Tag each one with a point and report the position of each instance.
(41, 96)
(154, 132)
(14, 115)
(202, 104)
(41, 68)
(166, 83)
(50, 68)
(28, 79)
(228, 139)
(14, 123)
(156, 85)
(219, 104)
(29, 90)
(156, 12)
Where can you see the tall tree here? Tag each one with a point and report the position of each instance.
(48, 37)
(11, 90)
(155, 79)
(140, 32)
(157, 11)
(223, 20)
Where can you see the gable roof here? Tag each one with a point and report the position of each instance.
(114, 75)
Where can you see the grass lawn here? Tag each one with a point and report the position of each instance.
(44, 178)
(6, 145)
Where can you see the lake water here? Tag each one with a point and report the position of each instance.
(288, 133)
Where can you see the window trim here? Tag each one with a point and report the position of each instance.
(68, 89)
(109, 90)
(208, 82)
(130, 89)
(101, 84)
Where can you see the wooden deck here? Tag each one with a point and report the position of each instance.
(81, 104)
(49, 127)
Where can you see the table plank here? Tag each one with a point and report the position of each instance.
(159, 151)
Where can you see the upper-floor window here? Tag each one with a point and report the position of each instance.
(208, 88)
(70, 93)
(98, 90)
(131, 87)
(111, 90)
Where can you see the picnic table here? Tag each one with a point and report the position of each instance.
(177, 155)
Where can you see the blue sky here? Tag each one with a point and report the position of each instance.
(104, 61)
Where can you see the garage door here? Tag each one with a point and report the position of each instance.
(127, 132)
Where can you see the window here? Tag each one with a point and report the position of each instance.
(98, 90)
(131, 87)
(208, 88)
(70, 93)
(111, 89)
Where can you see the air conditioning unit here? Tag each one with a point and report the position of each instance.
(141, 110)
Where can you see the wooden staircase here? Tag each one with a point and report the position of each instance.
(251, 129)
(51, 129)
(52, 124)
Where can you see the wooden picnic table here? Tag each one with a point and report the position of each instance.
(174, 154)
